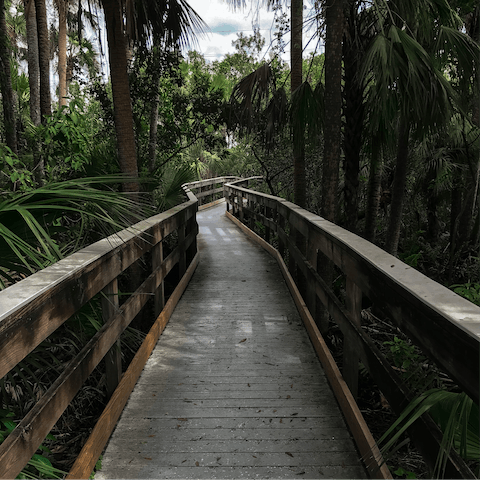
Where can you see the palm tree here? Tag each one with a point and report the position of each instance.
(172, 22)
(296, 63)
(6, 84)
(334, 16)
(62, 7)
(415, 41)
(44, 58)
(33, 61)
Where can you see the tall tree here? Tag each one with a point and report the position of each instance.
(62, 6)
(334, 17)
(33, 61)
(44, 58)
(296, 63)
(171, 22)
(6, 84)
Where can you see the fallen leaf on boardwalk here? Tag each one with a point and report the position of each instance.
(274, 411)
(289, 454)
(258, 411)
(300, 473)
(182, 419)
(291, 386)
(281, 420)
(218, 458)
(248, 384)
(288, 396)
(254, 456)
(244, 340)
(153, 395)
(197, 464)
(151, 436)
(147, 458)
(184, 461)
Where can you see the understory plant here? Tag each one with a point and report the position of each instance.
(458, 418)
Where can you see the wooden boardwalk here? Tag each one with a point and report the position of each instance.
(233, 388)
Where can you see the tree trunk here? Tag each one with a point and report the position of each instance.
(44, 59)
(33, 62)
(374, 193)
(152, 143)
(433, 225)
(34, 83)
(398, 191)
(296, 74)
(121, 93)
(62, 52)
(6, 89)
(333, 107)
(354, 114)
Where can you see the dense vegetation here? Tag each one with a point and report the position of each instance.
(380, 133)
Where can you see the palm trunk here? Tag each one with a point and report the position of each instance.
(296, 74)
(121, 92)
(333, 107)
(6, 89)
(374, 193)
(44, 59)
(152, 144)
(354, 113)
(62, 52)
(398, 191)
(34, 83)
(33, 62)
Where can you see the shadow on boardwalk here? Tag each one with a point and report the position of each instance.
(233, 388)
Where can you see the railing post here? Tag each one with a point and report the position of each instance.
(350, 353)
(311, 300)
(267, 215)
(291, 259)
(281, 226)
(157, 261)
(182, 262)
(113, 358)
(240, 207)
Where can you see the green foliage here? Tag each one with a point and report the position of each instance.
(470, 291)
(97, 468)
(457, 416)
(403, 354)
(33, 222)
(402, 473)
(68, 138)
(169, 193)
(39, 466)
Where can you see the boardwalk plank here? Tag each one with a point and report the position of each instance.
(233, 388)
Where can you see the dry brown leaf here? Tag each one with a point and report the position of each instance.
(289, 454)
(197, 464)
(244, 340)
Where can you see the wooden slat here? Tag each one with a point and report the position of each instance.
(92, 449)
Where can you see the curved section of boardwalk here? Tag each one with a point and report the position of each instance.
(233, 388)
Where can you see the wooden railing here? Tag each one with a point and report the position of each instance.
(210, 190)
(445, 326)
(32, 309)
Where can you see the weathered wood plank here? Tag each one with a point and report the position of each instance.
(255, 317)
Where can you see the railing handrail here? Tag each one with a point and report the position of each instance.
(32, 309)
(443, 324)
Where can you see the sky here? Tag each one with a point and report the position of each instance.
(225, 24)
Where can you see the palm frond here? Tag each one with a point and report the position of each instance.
(170, 192)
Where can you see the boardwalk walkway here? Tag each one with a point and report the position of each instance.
(233, 388)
